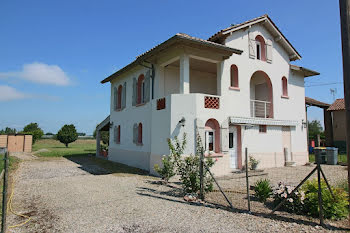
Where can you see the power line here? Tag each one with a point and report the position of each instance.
(323, 84)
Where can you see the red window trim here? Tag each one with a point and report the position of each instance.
(263, 47)
(284, 87)
(234, 78)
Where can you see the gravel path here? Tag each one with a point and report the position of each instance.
(63, 196)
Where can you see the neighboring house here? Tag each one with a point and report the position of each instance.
(236, 90)
(339, 121)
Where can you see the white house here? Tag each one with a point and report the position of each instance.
(238, 90)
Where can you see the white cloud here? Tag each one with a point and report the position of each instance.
(9, 93)
(40, 73)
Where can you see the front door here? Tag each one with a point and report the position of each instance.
(233, 146)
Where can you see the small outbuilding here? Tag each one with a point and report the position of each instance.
(16, 142)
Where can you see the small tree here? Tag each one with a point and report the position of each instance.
(67, 134)
(189, 170)
(33, 129)
(315, 128)
(170, 162)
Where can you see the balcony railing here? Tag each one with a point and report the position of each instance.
(259, 108)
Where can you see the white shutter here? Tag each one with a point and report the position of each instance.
(269, 51)
(224, 136)
(115, 99)
(135, 132)
(124, 96)
(147, 87)
(251, 45)
(134, 92)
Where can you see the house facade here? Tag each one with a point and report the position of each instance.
(236, 90)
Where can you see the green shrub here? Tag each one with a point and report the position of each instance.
(167, 170)
(190, 176)
(305, 201)
(344, 185)
(262, 189)
(170, 162)
(332, 208)
(189, 171)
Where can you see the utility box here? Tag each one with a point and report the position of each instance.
(332, 155)
(320, 154)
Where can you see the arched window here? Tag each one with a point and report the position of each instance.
(284, 86)
(234, 76)
(139, 134)
(140, 89)
(212, 136)
(260, 48)
(120, 90)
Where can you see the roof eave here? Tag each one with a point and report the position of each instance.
(306, 72)
(223, 34)
(175, 39)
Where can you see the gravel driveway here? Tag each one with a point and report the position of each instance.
(65, 196)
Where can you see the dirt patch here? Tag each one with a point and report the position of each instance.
(41, 218)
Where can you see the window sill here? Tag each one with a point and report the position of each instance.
(214, 155)
(234, 88)
(139, 144)
(141, 104)
(119, 109)
(284, 96)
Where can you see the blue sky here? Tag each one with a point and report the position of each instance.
(53, 54)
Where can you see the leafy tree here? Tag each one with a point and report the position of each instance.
(49, 133)
(104, 135)
(8, 130)
(67, 134)
(81, 134)
(315, 128)
(33, 129)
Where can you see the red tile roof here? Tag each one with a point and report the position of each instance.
(179, 37)
(339, 104)
(313, 102)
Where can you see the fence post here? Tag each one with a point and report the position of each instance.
(4, 193)
(246, 177)
(319, 190)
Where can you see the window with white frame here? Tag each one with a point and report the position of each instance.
(210, 140)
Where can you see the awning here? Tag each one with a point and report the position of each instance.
(262, 121)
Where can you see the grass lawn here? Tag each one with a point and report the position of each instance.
(341, 158)
(53, 148)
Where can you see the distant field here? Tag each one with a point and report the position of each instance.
(53, 148)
